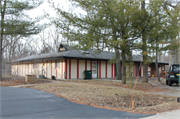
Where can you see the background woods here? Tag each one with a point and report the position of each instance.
(150, 28)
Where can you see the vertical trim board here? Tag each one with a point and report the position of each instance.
(85, 64)
(65, 69)
(91, 67)
(69, 68)
(112, 70)
(97, 70)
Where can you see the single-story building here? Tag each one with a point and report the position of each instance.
(70, 63)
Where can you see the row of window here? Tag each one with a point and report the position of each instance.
(57, 65)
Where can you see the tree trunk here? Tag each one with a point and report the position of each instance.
(157, 68)
(145, 68)
(118, 65)
(144, 51)
(123, 68)
(3, 8)
(1, 54)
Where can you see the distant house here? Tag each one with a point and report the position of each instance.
(70, 63)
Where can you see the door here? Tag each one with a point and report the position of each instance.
(94, 69)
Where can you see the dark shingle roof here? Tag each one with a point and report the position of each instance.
(75, 54)
(42, 56)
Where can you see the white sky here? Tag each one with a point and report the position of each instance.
(45, 7)
(63, 4)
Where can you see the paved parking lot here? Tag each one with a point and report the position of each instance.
(31, 103)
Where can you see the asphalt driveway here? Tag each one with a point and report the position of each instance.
(174, 90)
(31, 103)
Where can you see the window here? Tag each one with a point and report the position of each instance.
(35, 66)
(170, 69)
(57, 64)
(176, 68)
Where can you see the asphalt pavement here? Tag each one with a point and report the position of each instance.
(32, 103)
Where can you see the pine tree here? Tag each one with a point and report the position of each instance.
(107, 24)
(155, 25)
(118, 24)
(15, 22)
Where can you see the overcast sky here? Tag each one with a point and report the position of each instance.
(63, 4)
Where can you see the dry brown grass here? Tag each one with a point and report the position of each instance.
(140, 86)
(111, 97)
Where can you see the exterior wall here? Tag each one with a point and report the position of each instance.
(142, 71)
(58, 71)
(40, 68)
(13, 69)
(81, 69)
(109, 70)
(30, 68)
(19, 69)
(103, 69)
(49, 69)
(53, 65)
(65, 69)
(46, 68)
(73, 69)
(112, 70)
(27, 68)
(69, 69)
(61, 69)
(23, 70)
(88, 65)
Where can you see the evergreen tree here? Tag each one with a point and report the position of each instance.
(14, 20)
(120, 25)
(107, 24)
(155, 25)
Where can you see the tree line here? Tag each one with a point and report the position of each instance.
(122, 25)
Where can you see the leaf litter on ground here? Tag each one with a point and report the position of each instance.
(111, 97)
